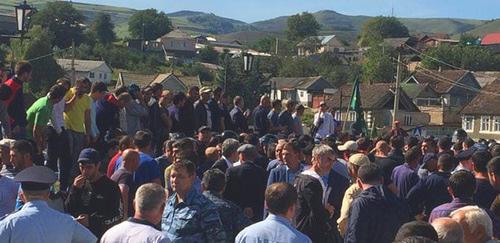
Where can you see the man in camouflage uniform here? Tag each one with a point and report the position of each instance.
(231, 215)
(189, 216)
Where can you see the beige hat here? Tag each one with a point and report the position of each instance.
(359, 159)
(205, 90)
(7, 142)
(348, 146)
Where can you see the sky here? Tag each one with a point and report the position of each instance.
(256, 10)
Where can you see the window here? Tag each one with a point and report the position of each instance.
(337, 115)
(408, 120)
(91, 75)
(351, 116)
(105, 76)
(496, 124)
(485, 124)
(100, 75)
(467, 123)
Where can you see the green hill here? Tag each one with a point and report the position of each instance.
(488, 27)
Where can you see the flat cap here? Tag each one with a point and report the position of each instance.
(6, 142)
(36, 178)
(348, 146)
(359, 159)
(247, 149)
(204, 128)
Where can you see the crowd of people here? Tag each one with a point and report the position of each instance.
(83, 164)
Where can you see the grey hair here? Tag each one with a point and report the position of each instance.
(229, 146)
(322, 149)
(448, 230)
(149, 197)
(476, 217)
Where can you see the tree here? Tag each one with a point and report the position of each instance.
(376, 29)
(266, 44)
(208, 54)
(103, 29)
(301, 26)
(475, 58)
(149, 24)
(378, 65)
(37, 48)
(63, 21)
(298, 67)
(469, 39)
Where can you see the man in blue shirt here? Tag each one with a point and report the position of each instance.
(281, 200)
(405, 176)
(189, 216)
(262, 124)
(292, 166)
(36, 221)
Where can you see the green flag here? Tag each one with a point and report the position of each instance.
(359, 126)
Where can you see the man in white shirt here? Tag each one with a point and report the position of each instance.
(324, 122)
(149, 204)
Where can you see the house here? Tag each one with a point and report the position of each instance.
(492, 41)
(7, 27)
(481, 117)
(170, 81)
(428, 42)
(442, 95)
(486, 77)
(178, 44)
(93, 70)
(319, 44)
(308, 91)
(377, 102)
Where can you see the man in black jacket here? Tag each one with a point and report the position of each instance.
(246, 183)
(377, 213)
(15, 104)
(238, 117)
(94, 199)
(313, 213)
(187, 122)
(202, 113)
(229, 155)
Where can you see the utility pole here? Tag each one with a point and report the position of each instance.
(396, 93)
(277, 45)
(73, 54)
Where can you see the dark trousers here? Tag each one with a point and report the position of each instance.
(58, 155)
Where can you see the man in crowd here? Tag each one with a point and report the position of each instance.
(313, 212)
(485, 193)
(178, 101)
(262, 123)
(432, 191)
(232, 217)
(278, 153)
(38, 115)
(298, 129)
(15, 104)
(160, 123)
(397, 153)
(405, 176)
(397, 131)
(238, 116)
(203, 116)
(476, 224)
(324, 123)
(285, 119)
(136, 111)
(281, 201)
(9, 190)
(292, 165)
(273, 116)
(355, 162)
(124, 177)
(142, 227)
(36, 221)
(416, 229)
(94, 199)
(97, 92)
(229, 155)
(7, 166)
(375, 202)
(448, 230)
(494, 173)
(246, 183)
(187, 118)
(216, 111)
(189, 216)
(382, 159)
(461, 187)
(77, 120)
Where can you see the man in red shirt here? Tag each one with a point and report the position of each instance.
(15, 104)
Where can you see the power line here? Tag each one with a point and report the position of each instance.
(50, 54)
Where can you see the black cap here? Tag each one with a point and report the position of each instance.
(89, 156)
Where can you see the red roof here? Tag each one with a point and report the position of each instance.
(491, 39)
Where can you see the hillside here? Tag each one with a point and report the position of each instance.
(210, 23)
(488, 27)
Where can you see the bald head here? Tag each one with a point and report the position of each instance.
(130, 159)
(448, 230)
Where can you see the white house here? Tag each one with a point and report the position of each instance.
(308, 91)
(93, 70)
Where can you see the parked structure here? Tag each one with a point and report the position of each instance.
(93, 70)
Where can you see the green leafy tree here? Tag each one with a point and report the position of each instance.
(103, 29)
(197, 69)
(149, 24)
(298, 67)
(38, 48)
(378, 66)
(469, 39)
(376, 29)
(64, 21)
(266, 44)
(301, 26)
(475, 58)
(209, 54)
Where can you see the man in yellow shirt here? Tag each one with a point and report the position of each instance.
(77, 121)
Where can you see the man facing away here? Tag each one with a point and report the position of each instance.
(149, 203)
(281, 199)
(377, 213)
(124, 177)
(36, 221)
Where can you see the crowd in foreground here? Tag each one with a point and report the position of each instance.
(83, 164)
